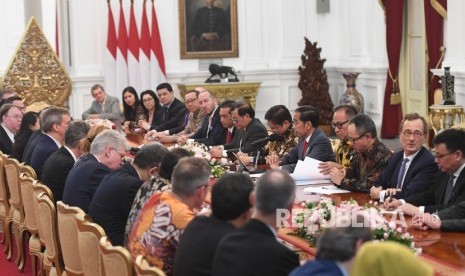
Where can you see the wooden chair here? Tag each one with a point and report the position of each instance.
(89, 235)
(48, 229)
(35, 245)
(116, 260)
(68, 234)
(5, 216)
(143, 268)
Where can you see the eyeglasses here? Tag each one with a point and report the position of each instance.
(338, 125)
(17, 117)
(191, 101)
(355, 139)
(122, 155)
(235, 120)
(416, 134)
(440, 156)
(146, 100)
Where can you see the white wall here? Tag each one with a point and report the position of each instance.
(271, 41)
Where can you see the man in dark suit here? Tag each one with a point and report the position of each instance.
(173, 110)
(312, 141)
(106, 153)
(451, 219)
(254, 250)
(336, 250)
(229, 130)
(57, 167)
(449, 186)
(113, 198)
(211, 131)
(32, 142)
(53, 122)
(249, 130)
(11, 117)
(411, 170)
(231, 209)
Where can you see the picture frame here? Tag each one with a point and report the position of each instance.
(201, 39)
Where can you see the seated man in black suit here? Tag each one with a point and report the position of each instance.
(57, 167)
(106, 154)
(449, 186)
(211, 131)
(53, 122)
(411, 170)
(113, 198)
(173, 110)
(371, 156)
(231, 209)
(451, 219)
(249, 130)
(254, 250)
(11, 117)
(312, 141)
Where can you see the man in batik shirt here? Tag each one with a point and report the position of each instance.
(343, 149)
(371, 156)
(165, 215)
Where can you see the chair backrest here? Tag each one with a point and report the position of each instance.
(12, 178)
(143, 268)
(68, 234)
(89, 235)
(28, 170)
(38, 189)
(4, 204)
(48, 228)
(27, 194)
(116, 260)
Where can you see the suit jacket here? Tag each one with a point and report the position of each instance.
(56, 170)
(243, 138)
(113, 199)
(319, 268)
(253, 250)
(419, 176)
(202, 236)
(42, 151)
(30, 146)
(215, 135)
(432, 198)
(174, 117)
(453, 218)
(6, 145)
(82, 181)
(318, 147)
(112, 109)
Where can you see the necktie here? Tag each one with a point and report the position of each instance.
(304, 149)
(209, 125)
(228, 137)
(450, 187)
(165, 113)
(400, 177)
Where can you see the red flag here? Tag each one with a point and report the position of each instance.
(122, 55)
(111, 38)
(122, 34)
(111, 54)
(156, 41)
(144, 57)
(145, 33)
(134, 48)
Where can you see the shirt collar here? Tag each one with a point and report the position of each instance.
(54, 140)
(459, 171)
(10, 134)
(71, 152)
(412, 156)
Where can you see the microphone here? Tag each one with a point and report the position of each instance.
(272, 137)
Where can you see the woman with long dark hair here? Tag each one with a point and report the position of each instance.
(132, 108)
(152, 110)
(29, 124)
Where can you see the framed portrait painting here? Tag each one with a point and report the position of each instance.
(208, 28)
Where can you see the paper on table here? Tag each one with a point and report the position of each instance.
(312, 182)
(325, 190)
(308, 170)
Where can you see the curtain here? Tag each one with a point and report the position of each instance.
(435, 13)
(392, 110)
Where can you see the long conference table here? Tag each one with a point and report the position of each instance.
(445, 251)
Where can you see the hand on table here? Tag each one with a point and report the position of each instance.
(336, 176)
(391, 203)
(426, 221)
(326, 167)
(244, 157)
(409, 209)
(273, 160)
(374, 192)
(216, 152)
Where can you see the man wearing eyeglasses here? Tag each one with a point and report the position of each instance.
(411, 170)
(343, 149)
(371, 156)
(11, 122)
(448, 188)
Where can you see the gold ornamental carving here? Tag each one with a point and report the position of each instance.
(237, 90)
(35, 72)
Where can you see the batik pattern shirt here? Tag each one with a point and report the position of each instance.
(366, 168)
(280, 148)
(344, 152)
(157, 230)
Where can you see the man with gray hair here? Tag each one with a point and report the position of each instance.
(106, 154)
(254, 250)
(57, 167)
(165, 215)
(336, 250)
(113, 198)
(54, 121)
